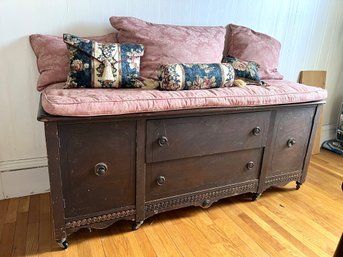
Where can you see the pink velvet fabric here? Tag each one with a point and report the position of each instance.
(94, 102)
(53, 57)
(168, 44)
(249, 45)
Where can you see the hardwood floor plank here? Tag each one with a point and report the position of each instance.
(284, 235)
(144, 244)
(297, 234)
(31, 248)
(111, 238)
(89, 244)
(34, 209)
(261, 237)
(302, 225)
(12, 210)
(24, 204)
(232, 229)
(20, 234)
(3, 211)
(6, 243)
(133, 244)
(44, 241)
(161, 241)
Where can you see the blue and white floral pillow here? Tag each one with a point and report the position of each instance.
(245, 70)
(195, 76)
(98, 65)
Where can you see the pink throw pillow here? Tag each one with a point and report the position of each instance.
(53, 57)
(169, 44)
(249, 45)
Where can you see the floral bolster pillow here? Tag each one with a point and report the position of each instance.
(195, 76)
(94, 64)
(248, 71)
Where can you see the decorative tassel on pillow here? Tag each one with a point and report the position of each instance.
(239, 83)
(107, 74)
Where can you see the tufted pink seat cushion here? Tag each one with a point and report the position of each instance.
(94, 102)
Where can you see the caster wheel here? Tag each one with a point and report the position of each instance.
(255, 196)
(63, 244)
(297, 187)
(136, 225)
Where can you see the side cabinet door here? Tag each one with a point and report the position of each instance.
(290, 142)
(98, 164)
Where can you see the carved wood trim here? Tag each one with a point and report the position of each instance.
(191, 199)
(101, 218)
(283, 178)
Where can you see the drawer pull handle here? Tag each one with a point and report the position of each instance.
(250, 165)
(291, 142)
(256, 131)
(160, 180)
(163, 141)
(100, 169)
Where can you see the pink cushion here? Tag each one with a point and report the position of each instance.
(53, 57)
(168, 44)
(249, 45)
(93, 102)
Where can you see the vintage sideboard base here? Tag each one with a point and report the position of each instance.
(108, 168)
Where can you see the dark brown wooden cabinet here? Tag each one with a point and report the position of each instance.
(100, 160)
(103, 169)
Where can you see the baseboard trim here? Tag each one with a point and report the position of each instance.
(23, 164)
(24, 177)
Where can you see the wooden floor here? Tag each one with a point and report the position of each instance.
(283, 222)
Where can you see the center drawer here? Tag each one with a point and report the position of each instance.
(170, 178)
(169, 139)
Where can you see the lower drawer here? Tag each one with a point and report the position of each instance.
(170, 178)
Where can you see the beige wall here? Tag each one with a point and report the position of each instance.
(310, 32)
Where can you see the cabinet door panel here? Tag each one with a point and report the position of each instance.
(83, 146)
(290, 141)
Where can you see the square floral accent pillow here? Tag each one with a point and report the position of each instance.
(196, 76)
(245, 70)
(98, 65)
(53, 57)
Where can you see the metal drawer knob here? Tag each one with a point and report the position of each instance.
(100, 169)
(291, 142)
(256, 131)
(160, 180)
(163, 141)
(250, 165)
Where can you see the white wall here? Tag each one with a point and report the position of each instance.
(311, 33)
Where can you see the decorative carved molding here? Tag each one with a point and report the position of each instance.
(101, 218)
(221, 193)
(283, 178)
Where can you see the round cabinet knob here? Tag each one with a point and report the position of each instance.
(160, 180)
(250, 165)
(100, 169)
(256, 131)
(291, 142)
(163, 141)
